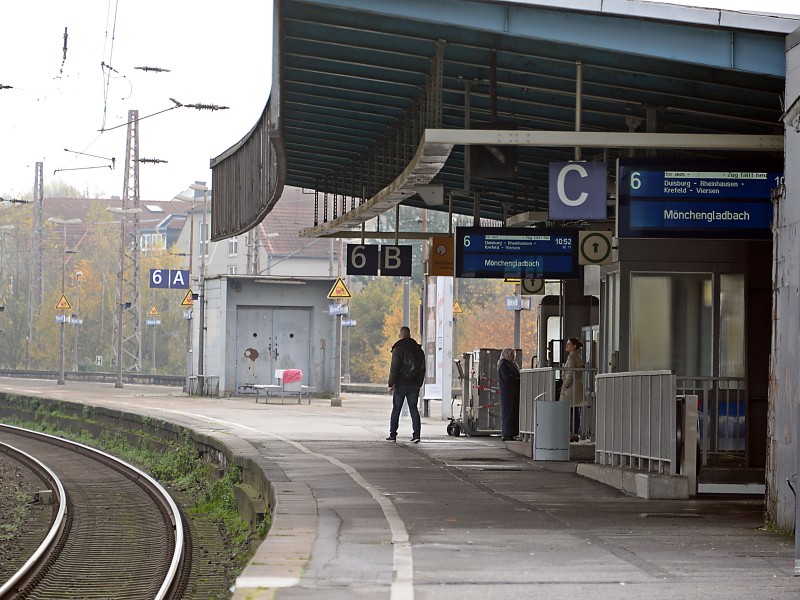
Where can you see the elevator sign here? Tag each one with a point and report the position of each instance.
(663, 199)
(522, 253)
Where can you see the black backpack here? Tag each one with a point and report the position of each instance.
(413, 364)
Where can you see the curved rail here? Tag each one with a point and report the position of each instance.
(143, 479)
(46, 547)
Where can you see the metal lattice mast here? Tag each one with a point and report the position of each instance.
(38, 220)
(129, 255)
(36, 279)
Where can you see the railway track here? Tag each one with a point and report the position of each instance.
(115, 532)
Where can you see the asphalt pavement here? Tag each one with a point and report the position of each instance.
(455, 518)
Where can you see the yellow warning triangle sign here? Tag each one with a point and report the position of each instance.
(457, 310)
(339, 290)
(187, 299)
(153, 311)
(63, 304)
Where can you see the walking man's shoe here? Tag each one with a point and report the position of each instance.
(415, 440)
(391, 439)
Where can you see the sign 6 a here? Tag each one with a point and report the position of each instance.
(169, 278)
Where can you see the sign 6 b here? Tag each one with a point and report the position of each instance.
(370, 260)
(362, 260)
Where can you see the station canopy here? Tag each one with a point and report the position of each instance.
(376, 103)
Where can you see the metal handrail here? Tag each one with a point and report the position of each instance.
(722, 407)
(539, 383)
(636, 421)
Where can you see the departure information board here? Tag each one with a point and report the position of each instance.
(723, 200)
(508, 252)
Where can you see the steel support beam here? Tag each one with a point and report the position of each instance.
(436, 145)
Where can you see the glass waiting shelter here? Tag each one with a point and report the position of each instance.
(696, 299)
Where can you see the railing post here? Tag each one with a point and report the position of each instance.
(689, 428)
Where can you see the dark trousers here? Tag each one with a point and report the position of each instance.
(576, 419)
(409, 393)
(509, 417)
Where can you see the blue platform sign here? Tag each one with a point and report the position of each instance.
(169, 278)
(578, 191)
(519, 253)
(717, 200)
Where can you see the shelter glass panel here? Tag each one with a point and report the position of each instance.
(610, 324)
(731, 326)
(672, 322)
(554, 340)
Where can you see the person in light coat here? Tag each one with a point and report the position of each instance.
(572, 388)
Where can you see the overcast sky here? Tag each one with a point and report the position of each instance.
(216, 52)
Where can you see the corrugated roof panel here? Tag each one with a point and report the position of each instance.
(350, 72)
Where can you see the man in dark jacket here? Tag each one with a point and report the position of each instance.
(406, 376)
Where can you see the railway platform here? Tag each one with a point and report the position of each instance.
(454, 518)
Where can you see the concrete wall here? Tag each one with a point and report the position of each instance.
(297, 266)
(785, 375)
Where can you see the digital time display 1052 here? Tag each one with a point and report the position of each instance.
(506, 252)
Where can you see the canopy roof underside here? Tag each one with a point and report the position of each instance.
(357, 82)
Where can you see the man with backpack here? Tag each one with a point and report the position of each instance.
(406, 376)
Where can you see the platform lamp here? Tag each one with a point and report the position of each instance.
(4, 229)
(78, 277)
(202, 297)
(186, 387)
(122, 212)
(63, 223)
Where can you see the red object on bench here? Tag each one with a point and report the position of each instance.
(292, 375)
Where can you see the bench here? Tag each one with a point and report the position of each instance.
(289, 382)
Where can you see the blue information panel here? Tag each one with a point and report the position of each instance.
(169, 278)
(721, 200)
(507, 252)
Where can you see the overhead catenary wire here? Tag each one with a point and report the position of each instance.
(107, 74)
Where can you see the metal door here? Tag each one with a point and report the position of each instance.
(253, 345)
(291, 340)
(271, 338)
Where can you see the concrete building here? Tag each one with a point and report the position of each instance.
(260, 313)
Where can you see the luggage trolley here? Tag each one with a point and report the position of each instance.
(480, 395)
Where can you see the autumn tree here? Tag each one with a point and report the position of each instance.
(377, 306)
(487, 324)
(92, 295)
(392, 322)
(15, 226)
(374, 300)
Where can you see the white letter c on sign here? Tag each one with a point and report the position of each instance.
(562, 194)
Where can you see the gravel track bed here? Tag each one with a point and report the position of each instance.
(23, 525)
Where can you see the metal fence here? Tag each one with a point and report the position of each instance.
(534, 384)
(722, 414)
(544, 384)
(636, 421)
